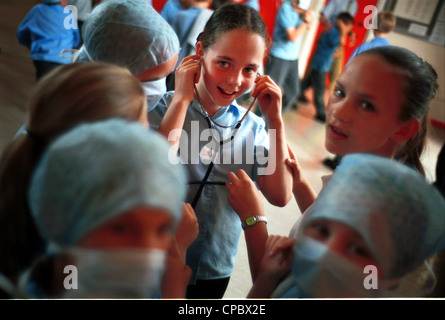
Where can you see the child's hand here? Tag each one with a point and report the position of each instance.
(244, 196)
(186, 75)
(352, 38)
(307, 16)
(293, 165)
(302, 190)
(269, 98)
(277, 259)
(177, 274)
(188, 229)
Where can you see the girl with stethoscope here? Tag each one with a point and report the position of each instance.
(215, 136)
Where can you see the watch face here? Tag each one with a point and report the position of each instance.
(250, 221)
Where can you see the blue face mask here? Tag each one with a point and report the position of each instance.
(117, 273)
(154, 90)
(320, 272)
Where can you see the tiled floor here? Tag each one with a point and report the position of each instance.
(306, 138)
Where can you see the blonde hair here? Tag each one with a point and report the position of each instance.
(67, 96)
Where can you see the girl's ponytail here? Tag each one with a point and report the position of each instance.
(411, 151)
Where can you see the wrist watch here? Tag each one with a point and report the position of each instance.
(253, 220)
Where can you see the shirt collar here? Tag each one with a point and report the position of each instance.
(233, 108)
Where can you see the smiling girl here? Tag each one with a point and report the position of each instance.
(229, 53)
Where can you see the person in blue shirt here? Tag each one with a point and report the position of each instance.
(293, 19)
(386, 22)
(172, 7)
(251, 3)
(322, 61)
(328, 16)
(47, 30)
(212, 136)
(187, 25)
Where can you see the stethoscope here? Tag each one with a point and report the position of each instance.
(210, 121)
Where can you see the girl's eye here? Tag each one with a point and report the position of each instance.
(359, 250)
(339, 93)
(120, 228)
(250, 71)
(317, 230)
(322, 230)
(367, 106)
(223, 64)
(164, 229)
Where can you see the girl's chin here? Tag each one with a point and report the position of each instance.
(227, 98)
(334, 149)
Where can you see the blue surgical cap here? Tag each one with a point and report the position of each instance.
(129, 33)
(96, 172)
(399, 214)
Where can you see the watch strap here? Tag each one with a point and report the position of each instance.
(253, 220)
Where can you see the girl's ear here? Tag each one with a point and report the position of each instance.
(199, 49)
(407, 131)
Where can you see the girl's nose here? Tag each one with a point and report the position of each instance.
(343, 110)
(337, 243)
(236, 78)
(148, 240)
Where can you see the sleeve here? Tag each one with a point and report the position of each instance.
(179, 25)
(168, 12)
(329, 10)
(285, 17)
(156, 115)
(23, 31)
(76, 38)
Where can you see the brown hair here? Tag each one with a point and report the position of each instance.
(386, 22)
(420, 87)
(67, 96)
(229, 17)
(346, 18)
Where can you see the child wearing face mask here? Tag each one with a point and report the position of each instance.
(211, 131)
(109, 215)
(131, 34)
(69, 95)
(371, 226)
